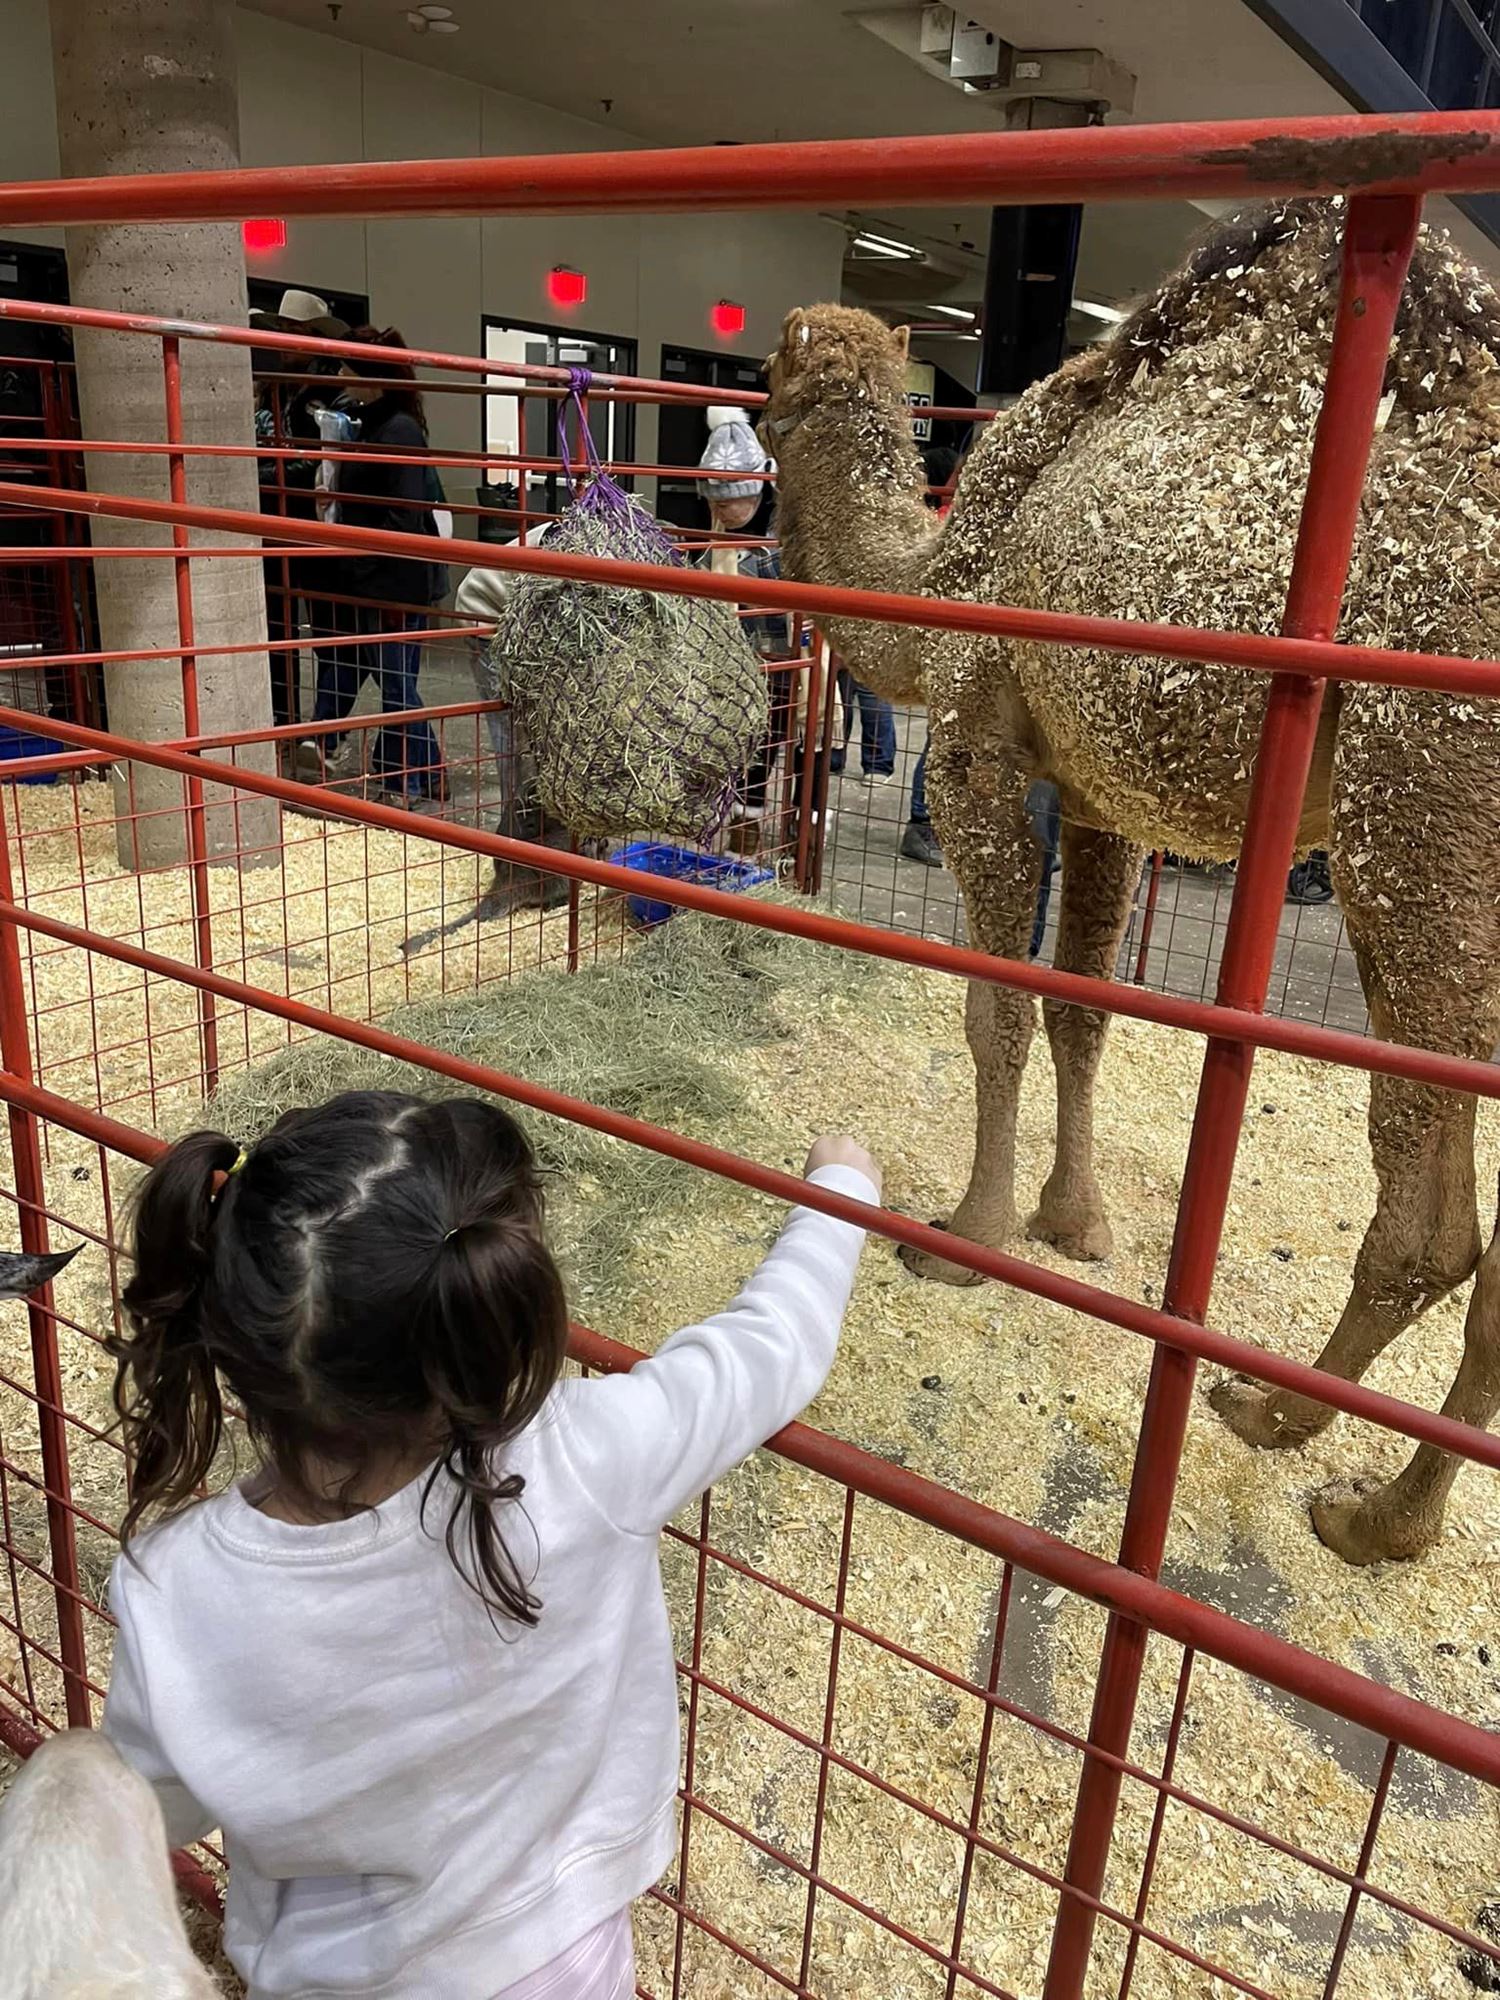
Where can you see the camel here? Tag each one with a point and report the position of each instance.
(1159, 475)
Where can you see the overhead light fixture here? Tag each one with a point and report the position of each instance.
(727, 318)
(432, 21)
(886, 246)
(953, 312)
(566, 287)
(1111, 315)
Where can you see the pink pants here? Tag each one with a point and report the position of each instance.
(600, 1966)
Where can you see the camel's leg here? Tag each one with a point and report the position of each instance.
(1099, 875)
(980, 814)
(1422, 1241)
(1364, 1521)
(1428, 968)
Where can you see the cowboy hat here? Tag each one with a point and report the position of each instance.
(303, 312)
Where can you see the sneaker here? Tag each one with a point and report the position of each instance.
(873, 778)
(1309, 881)
(920, 843)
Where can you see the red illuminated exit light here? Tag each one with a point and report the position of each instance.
(566, 287)
(264, 232)
(728, 318)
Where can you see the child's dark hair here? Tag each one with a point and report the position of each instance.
(375, 1264)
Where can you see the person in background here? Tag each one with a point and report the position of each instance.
(743, 502)
(919, 842)
(417, 1664)
(286, 414)
(877, 731)
(389, 496)
(482, 596)
(1044, 810)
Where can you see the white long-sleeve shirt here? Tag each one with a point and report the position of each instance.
(417, 1805)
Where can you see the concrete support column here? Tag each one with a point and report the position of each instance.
(149, 86)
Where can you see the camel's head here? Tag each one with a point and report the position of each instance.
(831, 354)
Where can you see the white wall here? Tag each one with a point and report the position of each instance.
(307, 98)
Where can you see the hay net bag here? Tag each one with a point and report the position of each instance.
(640, 710)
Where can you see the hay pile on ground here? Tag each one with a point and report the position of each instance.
(646, 1034)
(640, 709)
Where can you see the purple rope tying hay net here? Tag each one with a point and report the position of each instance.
(641, 709)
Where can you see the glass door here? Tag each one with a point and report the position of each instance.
(527, 426)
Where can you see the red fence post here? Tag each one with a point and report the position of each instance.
(203, 935)
(820, 662)
(31, 1204)
(1379, 236)
(1148, 918)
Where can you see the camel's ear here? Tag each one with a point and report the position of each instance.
(902, 337)
(794, 336)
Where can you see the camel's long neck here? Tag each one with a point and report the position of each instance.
(850, 512)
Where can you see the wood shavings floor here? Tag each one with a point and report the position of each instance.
(324, 921)
(1031, 1410)
(1035, 1411)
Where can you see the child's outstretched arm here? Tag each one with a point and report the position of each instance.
(646, 1443)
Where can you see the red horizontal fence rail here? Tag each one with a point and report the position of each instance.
(1322, 658)
(1388, 164)
(1449, 153)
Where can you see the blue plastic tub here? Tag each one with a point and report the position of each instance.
(684, 864)
(16, 745)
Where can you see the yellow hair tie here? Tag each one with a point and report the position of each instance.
(239, 1160)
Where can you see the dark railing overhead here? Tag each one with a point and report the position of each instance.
(1402, 55)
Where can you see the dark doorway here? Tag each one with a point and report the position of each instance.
(683, 428)
(526, 426)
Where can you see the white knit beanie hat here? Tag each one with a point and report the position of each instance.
(733, 448)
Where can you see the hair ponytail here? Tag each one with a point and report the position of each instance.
(375, 1284)
(166, 1387)
(491, 1355)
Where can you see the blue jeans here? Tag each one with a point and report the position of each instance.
(877, 728)
(919, 813)
(1044, 810)
(405, 752)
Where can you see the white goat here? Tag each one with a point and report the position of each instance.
(88, 1908)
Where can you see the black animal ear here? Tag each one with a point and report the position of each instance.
(22, 1275)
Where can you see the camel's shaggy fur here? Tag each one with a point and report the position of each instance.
(1159, 476)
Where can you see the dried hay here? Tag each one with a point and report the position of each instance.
(643, 1035)
(640, 709)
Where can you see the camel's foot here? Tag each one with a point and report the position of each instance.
(1363, 1521)
(1267, 1418)
(1079, 1228)
(922, 1264)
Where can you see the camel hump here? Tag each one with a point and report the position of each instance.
(1447, 331)
(1276, 262)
